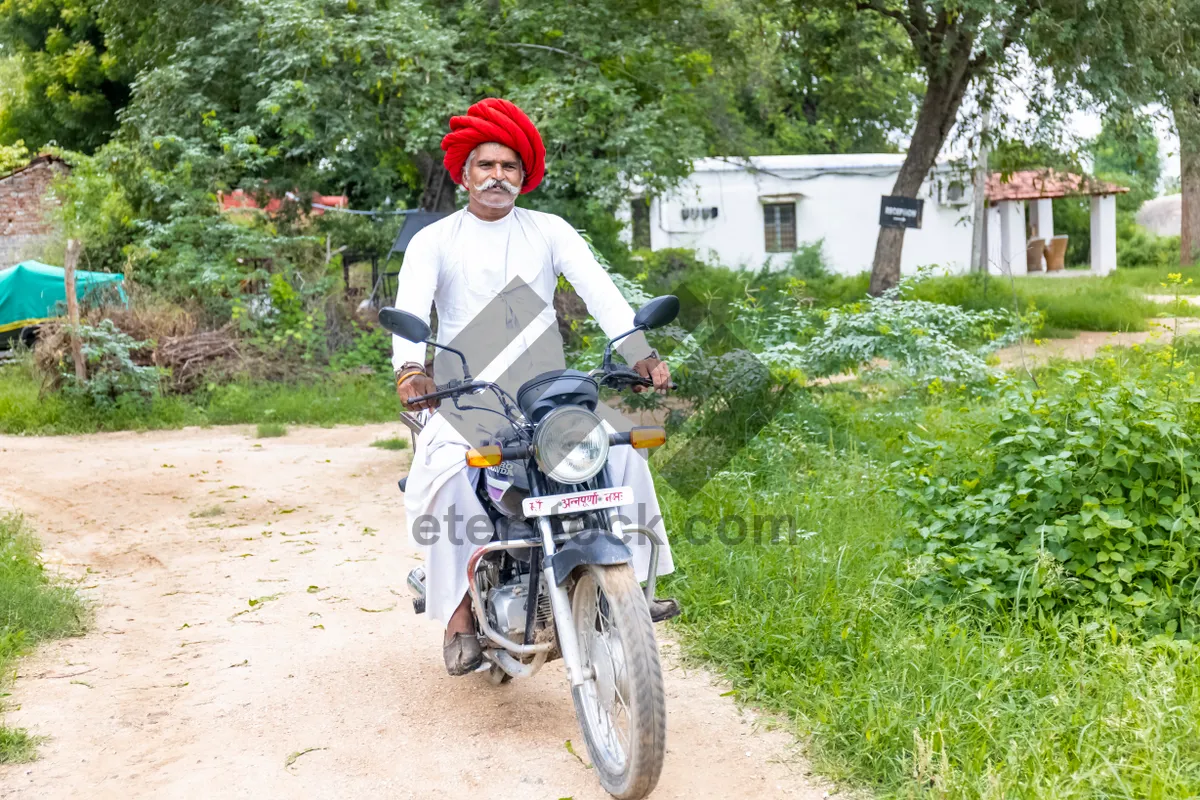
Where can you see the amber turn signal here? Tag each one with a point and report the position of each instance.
(647, 436)
(488, 456)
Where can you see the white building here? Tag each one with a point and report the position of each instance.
(748, 212)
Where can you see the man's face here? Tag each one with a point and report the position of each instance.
(494, 175)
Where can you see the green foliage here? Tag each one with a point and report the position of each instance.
(71, 89)
(330, 400)
(13, 157)
(112, 376)
(371, 349)
(394, 443)
(805, 618)
(32, 609)
(1137, 247)
(282, 321)
(1082, 500)
(1126, 151)
(810, 79)
(919, 339)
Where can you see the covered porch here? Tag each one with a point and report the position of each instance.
(1019, 237)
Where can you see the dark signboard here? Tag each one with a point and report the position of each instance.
(900, 212)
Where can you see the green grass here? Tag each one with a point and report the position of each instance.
(1151, 280)
(337, 400)
(271, 430)
(394, 443)
(32, 609)
(904, 702)
(1083, 303)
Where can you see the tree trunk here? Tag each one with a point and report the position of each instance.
(73, 309)
(439, 189)
(939, 109)
(1187, 122)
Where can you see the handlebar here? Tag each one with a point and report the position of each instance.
(616, 375)
(438, 395)
(449, 390)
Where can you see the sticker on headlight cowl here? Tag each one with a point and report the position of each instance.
(577, 501)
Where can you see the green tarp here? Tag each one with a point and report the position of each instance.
(32, 292)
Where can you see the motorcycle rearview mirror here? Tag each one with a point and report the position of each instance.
(658, 312)
(410, 327)
(403, 324)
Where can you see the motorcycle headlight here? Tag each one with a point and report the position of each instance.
(570, 445)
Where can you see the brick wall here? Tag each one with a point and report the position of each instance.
(25, 210)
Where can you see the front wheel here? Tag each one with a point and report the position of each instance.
(622, 706)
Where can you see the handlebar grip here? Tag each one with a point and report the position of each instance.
(438, 395)
(515, 452)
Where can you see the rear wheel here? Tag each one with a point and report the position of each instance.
(622, 705)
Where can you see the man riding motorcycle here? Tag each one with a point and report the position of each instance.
(490, 271)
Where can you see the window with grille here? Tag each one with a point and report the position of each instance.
(779, 227)
(640, 209)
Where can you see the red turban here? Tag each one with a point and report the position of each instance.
(495, 120)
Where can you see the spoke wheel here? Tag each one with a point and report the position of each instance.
(621, 706)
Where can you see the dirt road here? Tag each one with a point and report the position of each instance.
(253, 638)
(1087, 343)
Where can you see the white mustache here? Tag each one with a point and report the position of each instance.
(492, 183)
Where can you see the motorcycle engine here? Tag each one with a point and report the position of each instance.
(506, 607)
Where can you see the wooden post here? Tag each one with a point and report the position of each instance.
(73, 308)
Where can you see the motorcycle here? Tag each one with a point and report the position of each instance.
(556, 579)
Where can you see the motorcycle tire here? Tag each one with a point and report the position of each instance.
(617, 646)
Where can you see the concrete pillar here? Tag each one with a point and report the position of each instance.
(991, 246)
(1041, 218)
(1042, 221)
(1012, 237)
(1104, 233)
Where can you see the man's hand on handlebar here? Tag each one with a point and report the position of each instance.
(655, 369)
(414, 386)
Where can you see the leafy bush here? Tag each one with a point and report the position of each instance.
(112, 375)
(919, 339)
(370, 350)
(1138, 247)
(1083, 500)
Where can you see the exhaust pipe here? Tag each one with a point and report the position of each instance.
(416, 585)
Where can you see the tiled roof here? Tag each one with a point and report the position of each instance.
(1039, 184)
(43, 158)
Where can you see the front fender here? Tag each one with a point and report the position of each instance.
(593, 546)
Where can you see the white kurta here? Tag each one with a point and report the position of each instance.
(492, 284)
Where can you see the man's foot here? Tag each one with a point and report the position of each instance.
(663, 609)
(462, 653)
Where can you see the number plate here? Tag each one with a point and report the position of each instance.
(576, 501)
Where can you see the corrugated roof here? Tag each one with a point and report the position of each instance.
(1042, 184)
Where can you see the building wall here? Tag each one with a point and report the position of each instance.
(26, 210)
(839, 205)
